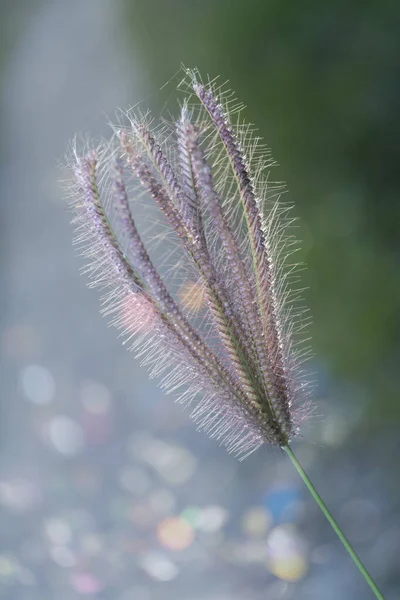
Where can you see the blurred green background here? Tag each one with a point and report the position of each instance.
(89, 510)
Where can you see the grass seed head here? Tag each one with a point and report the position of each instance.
(206, 298)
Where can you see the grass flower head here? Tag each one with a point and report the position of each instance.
(231, 348)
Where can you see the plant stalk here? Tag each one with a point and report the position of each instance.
(332, 522)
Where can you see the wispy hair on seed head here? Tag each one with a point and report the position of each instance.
(220, 228)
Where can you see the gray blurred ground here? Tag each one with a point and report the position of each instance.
(106, 489)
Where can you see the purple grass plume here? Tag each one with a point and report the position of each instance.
(190, 242)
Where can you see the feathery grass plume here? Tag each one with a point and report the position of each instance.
(210, 301)
(237, 364)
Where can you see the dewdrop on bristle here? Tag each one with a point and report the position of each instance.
(207, 301)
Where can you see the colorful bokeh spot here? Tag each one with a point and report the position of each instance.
(175, 533)
(287, 554)
(256, 521)
(283, 503)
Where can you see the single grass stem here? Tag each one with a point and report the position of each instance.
(332, 522)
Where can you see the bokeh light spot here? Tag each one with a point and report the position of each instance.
(58, 531)
(86, 584)
(20, 495)
(175, 533)
(37, 384)
(212, 519)
(287, 556)
(256, 521)
(66, 435)
(192, 514)
(159, 566)
(192, 296)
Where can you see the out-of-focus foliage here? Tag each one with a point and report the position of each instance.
(322, 82)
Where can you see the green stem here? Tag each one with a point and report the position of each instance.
(332, 522)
